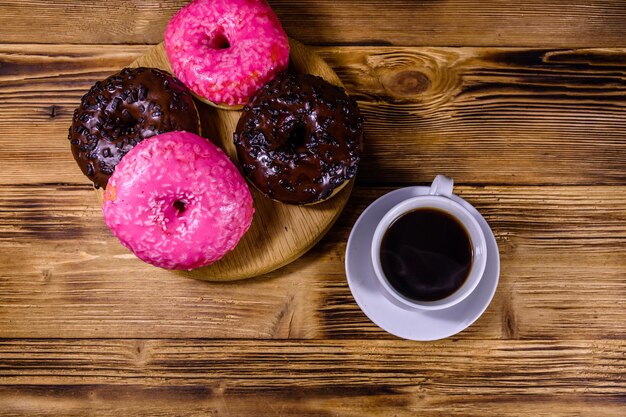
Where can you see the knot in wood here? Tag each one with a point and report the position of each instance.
(407, 83)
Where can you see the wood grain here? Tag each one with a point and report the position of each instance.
(479, 115)
(188, 377)
(489, 115)
(563, 252)
(533, 23)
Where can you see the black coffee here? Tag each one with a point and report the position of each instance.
(426, 254)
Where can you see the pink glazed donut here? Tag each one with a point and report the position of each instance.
(225, 50)
(177, 202)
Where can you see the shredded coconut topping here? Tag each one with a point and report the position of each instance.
(178, 202)
(225, 50)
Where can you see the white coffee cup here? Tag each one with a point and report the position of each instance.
(438, 198)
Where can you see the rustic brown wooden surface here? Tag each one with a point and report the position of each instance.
(533, 23)
(523, 104)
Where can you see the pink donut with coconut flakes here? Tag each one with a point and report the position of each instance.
(225, 50)
(177, 202)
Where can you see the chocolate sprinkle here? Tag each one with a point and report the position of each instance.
(112, 117)
(299, 138)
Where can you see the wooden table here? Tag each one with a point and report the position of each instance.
(523, 104)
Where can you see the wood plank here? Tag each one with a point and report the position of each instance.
(555, 24)
(338, 378)
(198, 401)
(64, 275)
(480, 115)
(486, 115)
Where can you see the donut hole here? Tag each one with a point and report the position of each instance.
(180, 206)
(119, 124)
(295, 137)
(130, 127)
(219, 40)
(172, 213)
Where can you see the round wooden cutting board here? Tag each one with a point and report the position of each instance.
(280, 233)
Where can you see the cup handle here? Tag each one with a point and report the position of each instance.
(442, 185)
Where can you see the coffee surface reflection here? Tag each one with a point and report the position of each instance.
(426, 254)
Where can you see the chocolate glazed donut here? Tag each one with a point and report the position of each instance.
(299, 139)
(121, 111)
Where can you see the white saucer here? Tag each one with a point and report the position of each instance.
(388, 313)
